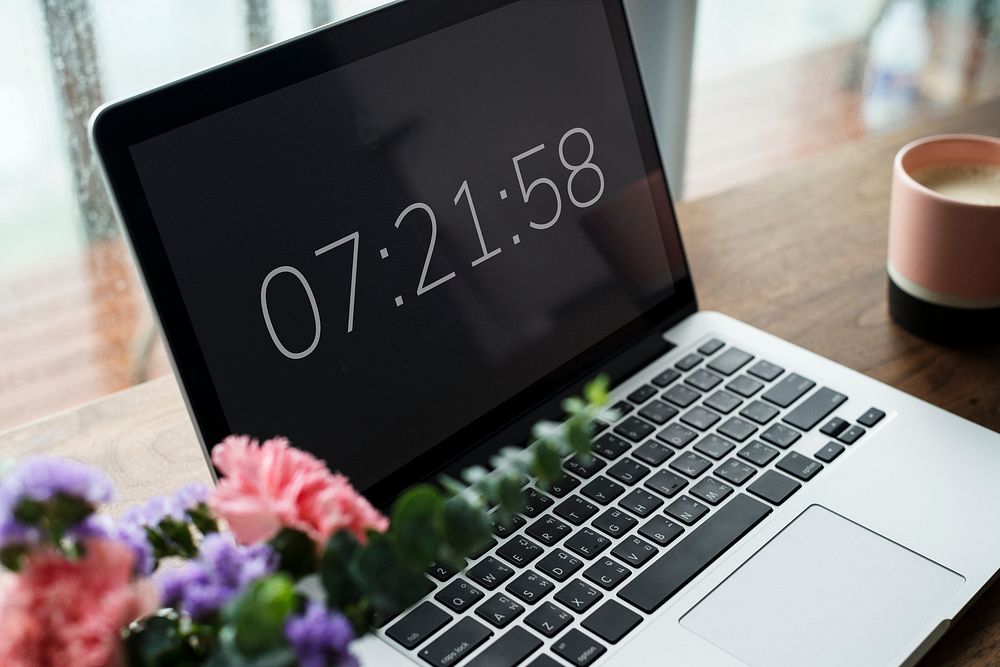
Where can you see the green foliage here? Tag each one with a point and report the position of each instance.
(296, 552)
(416, 522)
(256, 619)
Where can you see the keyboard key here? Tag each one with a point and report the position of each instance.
(578, 595)
(871, 417)
(711, 346)
(563, 486)
(634, 429)
(519, 551)
(575, 509)
(735, 472)
(606, 573)
(730, 361)
(665, 378)
(738, 429)
(829, 451)
(658, 412)
(584, 469)
(461, 639)
(622, 408)
(598, 425)
(440, 571)
(459, 595)
(499, 610)
(833, 427)
(612, 621)
(530, 587)
(510, 650)
(652, 453)
(745, 386)
(780, 435)
(544, 660)
(765, 370)
(615, 522)
(642, 394)
(419, 624)
(690, 464)
(851, 434)
(686, 510)
(661, 530)
(489, 573)
(548, 619)
(548, 530)
(700, 418)
(714, 446)
(759, 411)
(759, 453)
(723, 401)
(602, 490)
(684, 561)
(789, 390)
(503, 529)
(535, 502)
(774, 487)
(711, 490)
(666, 483)
(610, 446)
(634, 551)
(579, 649)
(681, 396)
(639, 502)
(702, 379)
(559, 564)
(627, 471)
(587, 543)
(676, 435)
(815, 408)
(689, 362)
(800, 466)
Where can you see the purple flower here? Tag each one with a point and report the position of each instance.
(220, 573)
(174, 507)
(132, 536)
(41, 479)
(321, 638)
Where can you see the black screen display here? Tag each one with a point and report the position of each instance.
(376, 256)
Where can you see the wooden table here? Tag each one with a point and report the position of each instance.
(800, 254)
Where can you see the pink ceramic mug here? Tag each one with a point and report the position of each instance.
(944, 238)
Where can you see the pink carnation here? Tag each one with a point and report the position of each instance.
(58, 612)
(270, 486)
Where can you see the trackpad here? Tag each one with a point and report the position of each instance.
(824, 591)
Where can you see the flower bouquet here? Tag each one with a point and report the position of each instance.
(282, 563)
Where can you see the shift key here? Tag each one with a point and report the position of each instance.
(788, 390)
(463, 638)
(814, 409)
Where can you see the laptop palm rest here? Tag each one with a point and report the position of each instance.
(824, 591)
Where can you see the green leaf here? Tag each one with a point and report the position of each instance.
(390, 583)
(596, 391)
(157, 641)
(12, 556)
(179, 537)
(548, 463)
(258, 615)
(578, 434)
(203, 519)
(510, 498)
(229, 654)
(29, 512)
(466, 527)
(335, 570)
(296, 552)
(415, 518)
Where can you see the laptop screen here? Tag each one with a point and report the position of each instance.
(374, 257)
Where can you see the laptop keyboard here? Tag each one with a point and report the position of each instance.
(698, 457)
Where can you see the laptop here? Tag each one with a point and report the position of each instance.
(402, 239)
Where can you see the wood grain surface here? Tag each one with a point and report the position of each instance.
(800, 254)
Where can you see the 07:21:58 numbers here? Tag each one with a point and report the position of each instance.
(542, 184)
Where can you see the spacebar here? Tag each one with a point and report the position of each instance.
(671, 571)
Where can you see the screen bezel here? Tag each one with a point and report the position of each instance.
(116, 127)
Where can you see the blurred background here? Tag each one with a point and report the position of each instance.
(761, 86)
